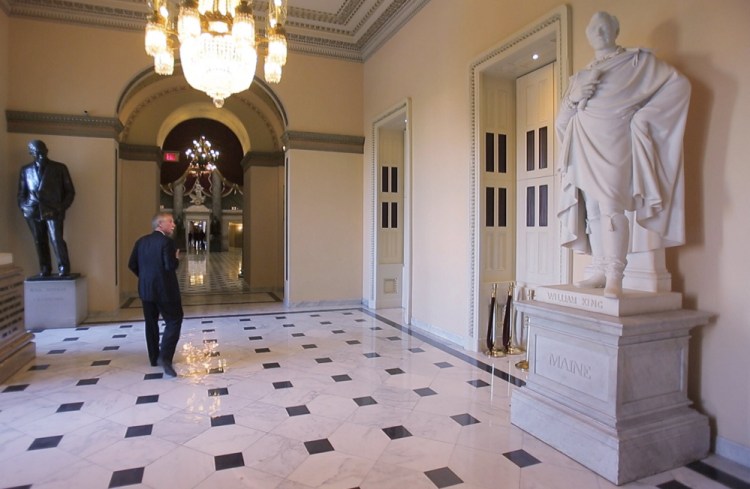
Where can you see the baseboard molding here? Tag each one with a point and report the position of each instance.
(733, 451)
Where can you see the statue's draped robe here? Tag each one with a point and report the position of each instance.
(625, 147)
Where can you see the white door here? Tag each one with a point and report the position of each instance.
(390, 234)
(497, 184)
(538, 258)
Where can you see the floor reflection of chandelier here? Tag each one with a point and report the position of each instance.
(218, 44)
(202, 157)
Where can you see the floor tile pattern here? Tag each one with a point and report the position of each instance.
(358, 401)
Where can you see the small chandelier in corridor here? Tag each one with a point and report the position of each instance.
(202, 157)
(218, 43)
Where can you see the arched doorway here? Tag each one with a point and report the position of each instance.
(159, 115)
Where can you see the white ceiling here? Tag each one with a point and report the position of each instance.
(346, 29)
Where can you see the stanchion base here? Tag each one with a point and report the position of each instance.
(523, 365)
(495, 353)
(514, 350)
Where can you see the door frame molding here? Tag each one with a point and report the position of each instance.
(402, 108)
(556, 24)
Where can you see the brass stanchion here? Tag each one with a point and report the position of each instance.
(492, 351)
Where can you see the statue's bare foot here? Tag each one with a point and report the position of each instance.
(613, 289)
(595, 281)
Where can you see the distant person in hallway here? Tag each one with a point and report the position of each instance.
(621, 124)
(154, 260)
(45, 192)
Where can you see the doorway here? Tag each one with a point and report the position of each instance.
(508, 190)
(390, 266)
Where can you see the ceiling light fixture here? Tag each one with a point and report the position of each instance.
(218, 43)
(202, 157)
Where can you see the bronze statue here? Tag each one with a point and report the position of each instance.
(45, 191)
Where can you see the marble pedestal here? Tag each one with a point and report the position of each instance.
(59, 303)
(610, 392)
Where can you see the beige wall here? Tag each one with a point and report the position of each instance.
(325, 227)
(706, 41)
(263, 232)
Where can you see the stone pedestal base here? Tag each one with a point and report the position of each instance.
(610, 392)
(15, 354)
(630, 302)
(16, 345)
(55, 303)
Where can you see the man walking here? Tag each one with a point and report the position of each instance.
(154, 260)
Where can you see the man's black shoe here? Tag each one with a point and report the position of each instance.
(169, 371)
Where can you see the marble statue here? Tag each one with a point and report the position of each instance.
(621, 124)
(45, 191)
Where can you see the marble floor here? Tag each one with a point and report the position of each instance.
(270, 397)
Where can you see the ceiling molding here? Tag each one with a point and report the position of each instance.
(352, 32)
(62, 124)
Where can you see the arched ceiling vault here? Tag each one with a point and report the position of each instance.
(152, 106)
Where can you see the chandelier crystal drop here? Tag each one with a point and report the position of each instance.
(218, 44)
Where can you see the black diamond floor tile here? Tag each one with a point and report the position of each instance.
(153, 376)
(318, 446)
(323, 360)
(219, 391)
(396, 432)
(127, 477)
(16, 388)
(297, 410)
(70, 406)
(394, 371)
(141, 430)
(443, 477)
(271, 365)
(309, 347)
(87, 382)
(673, 484)
(262, 350)
(372, 355)
(478, 383)
(282, 385)
(365, 401)
(147, 399)
(229, 461)
(100, 363)
(522, 458)
(46, 442)
(341, 378)
(465, 419)
(39, 367)
(443, 365)
(223, 420)
(425, 391)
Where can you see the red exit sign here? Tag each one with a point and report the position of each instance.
(171, 156)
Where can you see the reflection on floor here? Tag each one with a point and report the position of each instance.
(270, 397)
(212, 279)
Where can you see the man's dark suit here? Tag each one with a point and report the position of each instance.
(154, 261)
(44, 194)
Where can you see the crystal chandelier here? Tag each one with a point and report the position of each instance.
(202, 157)
(218, 43)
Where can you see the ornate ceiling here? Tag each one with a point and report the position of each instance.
(345, 29)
